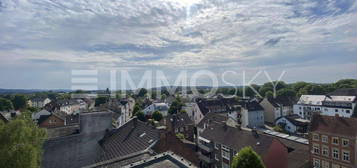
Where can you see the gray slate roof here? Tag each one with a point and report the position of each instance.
(132, 137)
(81, 149)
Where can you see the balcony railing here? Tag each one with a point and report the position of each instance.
(205, 158)
(207, 148)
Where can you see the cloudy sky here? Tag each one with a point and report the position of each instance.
(42, 41)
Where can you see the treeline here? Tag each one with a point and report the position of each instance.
(292, 90)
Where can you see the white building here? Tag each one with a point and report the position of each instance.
(161, 107)
(252, 114)
(293, 123)
(38, 102)
(325, 105)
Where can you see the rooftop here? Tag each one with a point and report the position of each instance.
(133, 136)
(334, 125)
(261, 143)
(80, 149)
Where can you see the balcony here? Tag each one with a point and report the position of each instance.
(205, 158)
(207, 148)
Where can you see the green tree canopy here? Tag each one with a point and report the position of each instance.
(157, 116)
(286, 93)
(247, 158)
(19, 102)
(346, 83)
(269, 94)
(5, 104)
(176, 106)
(136, 109)
(21, 143)
(101, 100)
(141, 116)
(142, 92)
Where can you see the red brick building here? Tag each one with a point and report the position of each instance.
(333, 142)
(51, 121)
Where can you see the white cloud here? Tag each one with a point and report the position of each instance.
(175, 34)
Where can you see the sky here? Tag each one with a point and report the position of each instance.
(43, 41)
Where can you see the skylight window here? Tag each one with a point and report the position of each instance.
(143, 134)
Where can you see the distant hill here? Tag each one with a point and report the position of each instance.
(28, 91)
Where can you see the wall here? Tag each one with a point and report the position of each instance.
(269, 111)
(52, 121)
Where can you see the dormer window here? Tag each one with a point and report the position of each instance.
(315, 137)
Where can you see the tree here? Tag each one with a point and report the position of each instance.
(100, 100)
(269, 95)
(346, 83)
(157, 116)
(269, 86)
(21, 143)
(247, 158)
(153, 95)
(5, 104)
(141, 116)
(136, 109)
(176, 106)
(313, 89)
(278, 128)
(180, 136)
(32, 109)
(19, 102)
(286, 93)
(299, 85)
(142, 92)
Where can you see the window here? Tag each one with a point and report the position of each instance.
(316, 148)
(315, 137)
(335, 140)
(348, 111)
(346, 155)
(316, 163)
(225, 165)
(225, 154)
(336, 110)
(216, 145)
(325, 151)
(335, 166)
(325, 164)
(225, 148)
(324, 138)
(335, 153)
(326, 109)
(216, 157)
(345, 142)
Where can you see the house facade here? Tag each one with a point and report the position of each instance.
(325, 105)
(252, 114)
(216, 105)
(51, 121)
(274, 108)
(161, 107)
(332, 142)
(293, 123)
(218, 143)
(38, 102)
(180, 123)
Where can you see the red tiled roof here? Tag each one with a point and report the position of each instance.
(277, 155)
